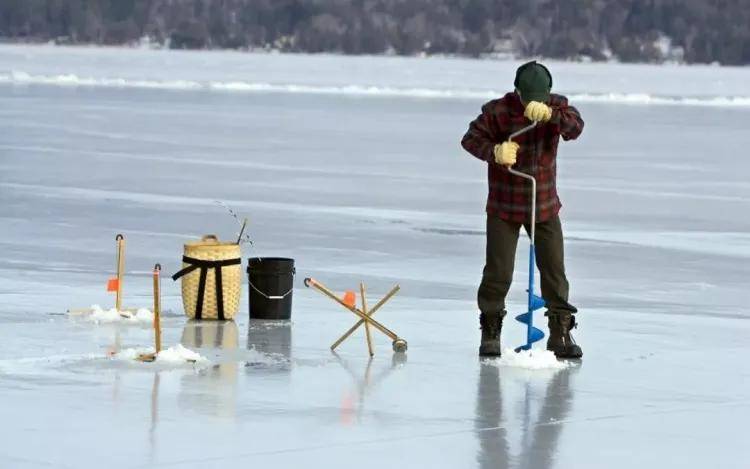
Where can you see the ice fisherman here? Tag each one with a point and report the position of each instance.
(509, 202)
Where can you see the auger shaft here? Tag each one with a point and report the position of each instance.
(534, 302)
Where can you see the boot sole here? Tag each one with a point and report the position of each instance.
(562, 356)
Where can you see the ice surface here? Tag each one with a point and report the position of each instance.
(371, 187)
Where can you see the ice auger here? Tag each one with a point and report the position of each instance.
(534, 302)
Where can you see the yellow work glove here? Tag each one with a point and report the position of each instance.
(505, 153)
(538, 112)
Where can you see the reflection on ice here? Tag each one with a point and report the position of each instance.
(214, 390)
(353, 400)
(541, 421)
(269, 345)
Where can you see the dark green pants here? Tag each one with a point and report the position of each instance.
(502, 240)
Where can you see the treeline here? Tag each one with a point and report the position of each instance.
(694, 31)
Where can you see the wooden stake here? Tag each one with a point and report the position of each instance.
(367, 325)
(157, 308)
(120, 270)
(149, 357)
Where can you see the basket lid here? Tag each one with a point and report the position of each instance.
(209, 240)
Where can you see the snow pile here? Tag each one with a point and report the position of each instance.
(177, 355)
(530, 360)
(99, 315)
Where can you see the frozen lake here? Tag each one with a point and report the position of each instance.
(353, 167)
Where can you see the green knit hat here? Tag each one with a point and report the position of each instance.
(533, 82)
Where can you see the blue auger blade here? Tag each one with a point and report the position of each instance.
(523, 318)
(536, 302)
(535, 335)
(522, 347)
(532, 333)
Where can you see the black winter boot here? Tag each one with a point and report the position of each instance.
(492, 325)
(560, 341)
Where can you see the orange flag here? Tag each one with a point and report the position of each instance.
(113, 284)
(350, 299)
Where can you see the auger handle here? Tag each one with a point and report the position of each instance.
(521, 131)
(530, 178)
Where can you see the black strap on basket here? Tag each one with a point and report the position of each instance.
(204, 266)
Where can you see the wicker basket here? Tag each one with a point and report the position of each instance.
(206, 258)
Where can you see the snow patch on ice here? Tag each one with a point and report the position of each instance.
(530, 359)
(98, 315)
(177, 355)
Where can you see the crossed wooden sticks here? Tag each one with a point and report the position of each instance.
(365, 316)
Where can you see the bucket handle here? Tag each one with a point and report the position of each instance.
(211, 237)
(270, 297)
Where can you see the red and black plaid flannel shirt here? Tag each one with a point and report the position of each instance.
(510, 196)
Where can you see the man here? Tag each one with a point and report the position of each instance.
(509, 201)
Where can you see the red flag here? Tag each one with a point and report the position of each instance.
(113, 284)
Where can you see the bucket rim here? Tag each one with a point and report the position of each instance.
(272, 259)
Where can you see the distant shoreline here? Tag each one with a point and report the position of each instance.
(500, 57)
(623, 31)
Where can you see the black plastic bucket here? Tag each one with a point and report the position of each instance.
(271, 283)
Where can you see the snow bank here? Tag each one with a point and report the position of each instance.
(530, 360)
(17, 77)
(98, 315)
(177, 355)
(648, 99)
(70, 79)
